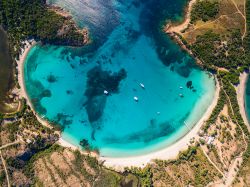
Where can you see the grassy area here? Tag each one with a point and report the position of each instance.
(67, 167)
(191, 168)
(217, 39)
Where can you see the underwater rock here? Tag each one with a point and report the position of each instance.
(51, 78)
(69, 92)
(46, 93)
(189, 84)
(85, 144)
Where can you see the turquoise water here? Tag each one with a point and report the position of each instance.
(247, 99)
(66, 85)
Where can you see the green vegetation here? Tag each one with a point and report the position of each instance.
(144, 174)
(191, 168)
(225, 51)
(216, 111)
(29, 167)
(246, 41)
(2, 177)
(85, 168)
(236, 116)
(78, 164)
(204, 10)
(245, 167)
(12, 129)
(32, 19)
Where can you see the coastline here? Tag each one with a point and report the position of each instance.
(172, 28)
(170, 152)
(240, 90)
(175, 31)
(22, 91)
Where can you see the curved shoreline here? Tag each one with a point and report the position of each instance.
(172, 28)
(240, 90)
(22, 91)
(170, 152)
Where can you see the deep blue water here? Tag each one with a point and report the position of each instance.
(66, 85)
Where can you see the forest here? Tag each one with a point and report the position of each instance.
(204, 10)
(28, 19)
(224, 51)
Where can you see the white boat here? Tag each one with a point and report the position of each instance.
(181, 87)
(142, 85)
(106, 92)
(181, 95)
(136, 99)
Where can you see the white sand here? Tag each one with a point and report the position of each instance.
(22, 91)
(20, 66)
(169, 152)
(64, 143)
(241, 97)
(184, 25)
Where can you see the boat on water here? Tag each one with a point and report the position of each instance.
(105, 92)
(181, 95)
(181, 87)
(136, 99)
(142, 85)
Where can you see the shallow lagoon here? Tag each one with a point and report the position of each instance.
(67, 85)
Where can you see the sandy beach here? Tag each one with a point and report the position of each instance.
(169, 152)
(240, 89)
(22, 92)
(184, 25)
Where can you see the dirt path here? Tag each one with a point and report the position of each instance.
(232, 173)
(213, 163)
(5, 169)
(243, 16)
(206, 23)
(9, 144)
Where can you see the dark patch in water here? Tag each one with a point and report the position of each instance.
(189, 84)
(133, 35)
(153, 132)
(153, 17)
(63, 119)
(83, 61)
(95, 107)
(98, 81)
(51, 78)
(38, 106)
(46, 93)
(136, 3)
(69, 92)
